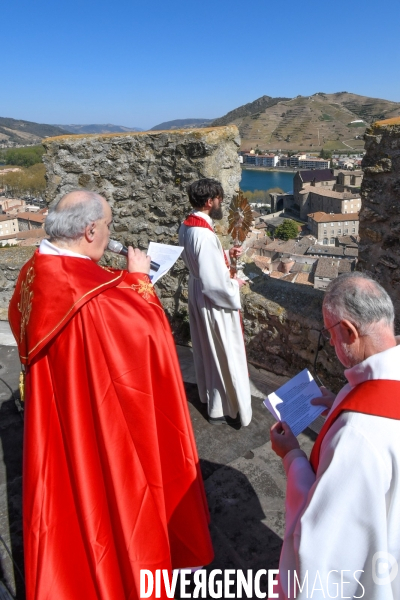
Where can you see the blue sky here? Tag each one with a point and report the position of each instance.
(140, 63)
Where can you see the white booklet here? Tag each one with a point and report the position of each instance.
(291, 402)
(165, 255)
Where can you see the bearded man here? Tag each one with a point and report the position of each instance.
(342, 537)
(214, 310)
(111, 479)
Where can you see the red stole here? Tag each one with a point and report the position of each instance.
(193, 221)
(380, 398)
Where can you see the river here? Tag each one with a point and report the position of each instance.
(265, 180)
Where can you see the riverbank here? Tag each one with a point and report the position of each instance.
(270, 169)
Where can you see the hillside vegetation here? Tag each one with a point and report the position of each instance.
(308, 123)
(22, 157)
(26, 132)
(26, 181)
(181, 124)
(109, 128)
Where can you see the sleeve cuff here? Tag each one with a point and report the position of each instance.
(291, 456)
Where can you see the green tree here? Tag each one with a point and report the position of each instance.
(25, 181)
(325, 154)
(24, 157)
(288, 230)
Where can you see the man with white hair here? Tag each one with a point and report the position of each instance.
(111, 481)
(342, 537)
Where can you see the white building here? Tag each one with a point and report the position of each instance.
(8, 225)
(261, 160)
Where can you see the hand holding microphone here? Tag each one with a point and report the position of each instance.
(138, 262)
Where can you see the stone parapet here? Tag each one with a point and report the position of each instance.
(380, 213)
(11, 262)
(282, 322)
(143, 176)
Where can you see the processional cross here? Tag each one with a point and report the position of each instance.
(240, 220)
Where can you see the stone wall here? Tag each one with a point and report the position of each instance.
(144, 178)
(282, 322)
(11, 261)
(380, 214)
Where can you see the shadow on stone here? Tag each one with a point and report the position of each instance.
(241, 538)
(11, 434)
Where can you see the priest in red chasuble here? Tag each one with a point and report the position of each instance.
(111, 481)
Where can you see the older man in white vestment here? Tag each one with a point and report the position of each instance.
(214, 305)
(342, 537)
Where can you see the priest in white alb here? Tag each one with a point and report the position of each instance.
(214, 310)
(342, 537)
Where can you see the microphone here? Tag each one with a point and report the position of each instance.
(118, 248)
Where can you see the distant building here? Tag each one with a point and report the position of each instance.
(7, 204)
(328, 269)
(23, 238)
(311, 162)
(284, 161)
(326, 227)
(349, 181)
(27, 220)
(319, 250)
(282, 202)
(8, 225)
(346, 164)
(303, 161)
(328, 201)
(260, 160)
(349, 241)
(315, 191)
(325, 178)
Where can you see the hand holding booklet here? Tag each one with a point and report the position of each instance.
(291, 402)
(165, 255)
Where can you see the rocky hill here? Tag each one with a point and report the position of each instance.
(247, 110)
(308, 123)
(26, 132)
(182, 124)
(109, 128)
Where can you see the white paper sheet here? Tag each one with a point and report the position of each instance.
(291, 402)
(165, 255)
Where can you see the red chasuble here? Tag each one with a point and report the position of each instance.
(380, 398)
(111, 481)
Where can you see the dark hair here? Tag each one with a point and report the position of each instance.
(201, 190)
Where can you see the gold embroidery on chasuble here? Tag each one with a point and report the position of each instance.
(144, 288)
(106, 268)
(25, 303)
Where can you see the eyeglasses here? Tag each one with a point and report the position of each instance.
(323, 333)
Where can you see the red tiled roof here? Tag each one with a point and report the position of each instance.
(322, 217)
(27, 216)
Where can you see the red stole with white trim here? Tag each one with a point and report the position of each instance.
(194, 221)
(380, 398)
